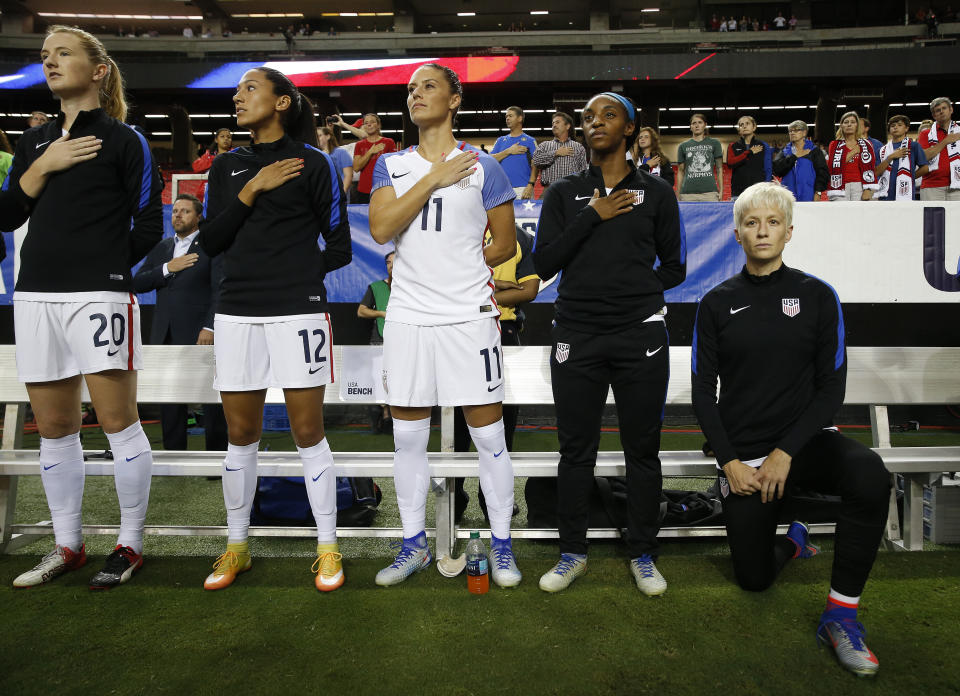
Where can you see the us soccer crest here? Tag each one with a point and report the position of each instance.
(637, 196)
(464, 182)
(791, 306)
(836, 180)
(563, 352)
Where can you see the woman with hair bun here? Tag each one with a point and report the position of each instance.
(266, 206)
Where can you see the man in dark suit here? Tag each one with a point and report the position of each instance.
(187, 282)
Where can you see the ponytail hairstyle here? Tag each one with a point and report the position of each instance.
(453, 82)
(112, 98)
(298, 121)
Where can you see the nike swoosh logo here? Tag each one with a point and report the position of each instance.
(317, 477)
(47, 468)
(238, 172)
(314, 371)
(581, 198)
(237, 469)
(130, 459)
(498, 453)
(109, 353)
(39, 145)
(653, 352)
(397, 450)
(397, 176)
(734, 311)
(490, 389)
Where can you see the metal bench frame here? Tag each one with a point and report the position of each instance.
(184, 374)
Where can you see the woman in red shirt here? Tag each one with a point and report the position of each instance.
(851, 160)
(366, 152)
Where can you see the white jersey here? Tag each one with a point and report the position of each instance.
(439, 273)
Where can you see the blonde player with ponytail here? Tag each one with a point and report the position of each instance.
(88, 185)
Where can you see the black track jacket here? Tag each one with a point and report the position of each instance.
(609, 281)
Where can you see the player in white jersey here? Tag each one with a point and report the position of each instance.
(441, 338)
(89, 187)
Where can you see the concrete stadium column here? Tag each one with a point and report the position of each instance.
(599, 21)
(404, 16)
(825, 121)
(13, 22)
(649, 111)
(184, 147)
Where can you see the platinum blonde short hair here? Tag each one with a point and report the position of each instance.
(766, 194)
(800, 125)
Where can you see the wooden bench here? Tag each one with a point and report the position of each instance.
(184, 374)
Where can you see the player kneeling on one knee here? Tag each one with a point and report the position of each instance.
(774, 338)
(605, 228)
(441, 342)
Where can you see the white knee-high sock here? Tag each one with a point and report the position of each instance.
(411, 473)
(62, 475)
(496, 476)
(239, 486)
(132, 465)
(318, 475)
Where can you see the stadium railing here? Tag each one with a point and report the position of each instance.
(876, 377)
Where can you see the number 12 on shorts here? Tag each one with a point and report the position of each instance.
(314, 356)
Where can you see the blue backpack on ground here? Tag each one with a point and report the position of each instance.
(282, 501)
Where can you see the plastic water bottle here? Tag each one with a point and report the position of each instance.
(478, 579)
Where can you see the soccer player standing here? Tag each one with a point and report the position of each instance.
(605, 228)
(774, 337)
(441, 337)
(266, 206)
(88, 184)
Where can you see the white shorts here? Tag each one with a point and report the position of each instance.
(56, 340)
(290, 352)
(447, 365)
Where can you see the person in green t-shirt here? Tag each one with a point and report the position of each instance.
(700, 164)
(374, 306)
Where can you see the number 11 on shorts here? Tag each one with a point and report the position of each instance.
(485, 353)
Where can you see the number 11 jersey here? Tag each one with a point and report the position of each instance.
(439, 273)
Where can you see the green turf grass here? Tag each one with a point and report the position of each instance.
(272, 633)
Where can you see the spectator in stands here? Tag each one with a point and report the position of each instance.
(941, 145)
(188, 32)
(561, 156)
(876, 144)
(714, 23)
(6, 156)
(801, 165)
(771, 426)
(780, 22)
(341, 158)
(700, 164)
(647, 155)
(731, 24)
(851, 160)
(187, 282)
(744, 24)
(514, 152)
(609, 330)
(222, 142)
(723, 24)
(749, 158)
(367, 152)
(900, 162)
(37, 118)
(793, 22)
(373, 307)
